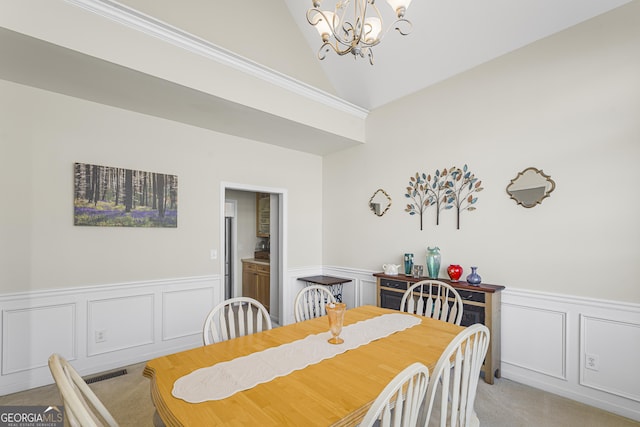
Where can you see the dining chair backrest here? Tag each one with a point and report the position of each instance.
(457, 371)
(399, 403)
(433, 298)
(82, 407)
(311, 302)
(235, 317)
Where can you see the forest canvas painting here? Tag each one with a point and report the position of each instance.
(116, 197)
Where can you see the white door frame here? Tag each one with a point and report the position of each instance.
(283, 310)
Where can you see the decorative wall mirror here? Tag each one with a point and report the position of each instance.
(530, 187)
(380, 202)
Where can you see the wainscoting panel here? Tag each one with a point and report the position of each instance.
(29, 334)
(581, 348)
(174, 323)
(362, 288)
(605, 346)
(100, 327)
(545, 347)
(119, 323)
(367, 291)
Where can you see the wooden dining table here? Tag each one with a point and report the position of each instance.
(334, 392)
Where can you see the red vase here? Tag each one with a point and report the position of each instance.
(454, 271)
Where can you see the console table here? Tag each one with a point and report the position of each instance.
(333, 283)
(481, 304)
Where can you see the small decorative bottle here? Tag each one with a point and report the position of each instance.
(408, 264)
(474, 278)
(433, 262)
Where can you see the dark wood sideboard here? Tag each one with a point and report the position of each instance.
(481, 305)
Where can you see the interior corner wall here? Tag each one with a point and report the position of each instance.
(42, 134)
(569, 105)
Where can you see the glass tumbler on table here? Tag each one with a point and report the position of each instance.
(335, 312)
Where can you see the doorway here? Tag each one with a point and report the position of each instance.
(236, 234)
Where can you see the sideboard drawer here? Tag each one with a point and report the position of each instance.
(471, 296)
(394, 284)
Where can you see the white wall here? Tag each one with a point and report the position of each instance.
(219, 22)
(569, 105)
(45, 133)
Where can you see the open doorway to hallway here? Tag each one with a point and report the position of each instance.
(244, 265)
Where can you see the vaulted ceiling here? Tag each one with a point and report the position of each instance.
(448, 37)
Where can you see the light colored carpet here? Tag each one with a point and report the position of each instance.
(504, 404)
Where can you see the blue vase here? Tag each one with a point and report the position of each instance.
(433, 262)
(408, 264)
(474, 278)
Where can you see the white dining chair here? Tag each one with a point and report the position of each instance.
(311, 301)
(398, 405)
(433, 298)
(456, 374)
(235, 317)
(82, 407)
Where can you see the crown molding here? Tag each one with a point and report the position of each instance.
(161, 30)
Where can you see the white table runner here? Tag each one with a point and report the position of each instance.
(227, 378)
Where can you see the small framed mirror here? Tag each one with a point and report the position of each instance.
(380, 202)
(530, 187)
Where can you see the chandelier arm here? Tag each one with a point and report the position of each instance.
(325, 48)
(403, 22)
(370, 54)
(396, 25)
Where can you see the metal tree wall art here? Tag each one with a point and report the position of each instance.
(460, 188)
(418, 191)
(447, 189)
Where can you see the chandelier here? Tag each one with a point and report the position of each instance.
(357, 33)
